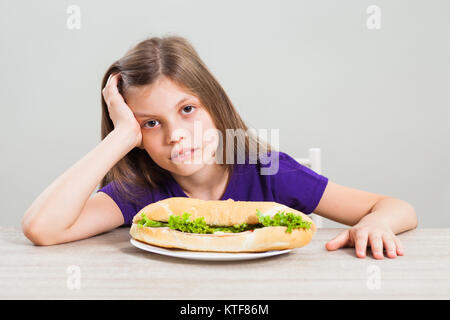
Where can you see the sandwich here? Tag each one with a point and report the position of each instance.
(221, 225)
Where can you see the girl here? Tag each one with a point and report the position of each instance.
(154, 100)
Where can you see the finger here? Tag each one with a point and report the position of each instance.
(399, 246)
(109, 80)
(115, 79)
(112, 79)
(389, 244)
(376, 245)
(361, 243)
(112, 90)
(106, 89)
(340, 241)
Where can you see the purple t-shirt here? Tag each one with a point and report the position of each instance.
(291, 184)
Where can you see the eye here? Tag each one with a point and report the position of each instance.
(188, 109)
(151, 126)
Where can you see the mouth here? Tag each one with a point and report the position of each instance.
(183, 154)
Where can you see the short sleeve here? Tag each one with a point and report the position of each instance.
(127, 208)
(298, 186)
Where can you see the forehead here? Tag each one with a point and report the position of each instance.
(162, 92)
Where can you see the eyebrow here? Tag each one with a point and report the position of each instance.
(141, 115)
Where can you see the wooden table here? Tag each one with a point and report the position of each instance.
(107, 266)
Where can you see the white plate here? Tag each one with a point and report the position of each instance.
(208, 256)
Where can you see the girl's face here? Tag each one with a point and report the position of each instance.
(172, 120)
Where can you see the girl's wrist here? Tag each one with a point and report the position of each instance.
(374, 221)
(396, 214)
(125, 138)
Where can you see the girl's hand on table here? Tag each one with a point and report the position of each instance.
(368, 231)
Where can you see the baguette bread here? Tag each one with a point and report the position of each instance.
(220, 213)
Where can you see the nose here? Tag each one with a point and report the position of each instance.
(176, 134)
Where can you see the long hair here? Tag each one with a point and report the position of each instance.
(175, 58)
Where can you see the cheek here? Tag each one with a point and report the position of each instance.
(152, 144)
(207, 122)
(211, 139)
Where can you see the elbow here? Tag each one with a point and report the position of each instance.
(416, 220)
(35, 234)
(413, 216)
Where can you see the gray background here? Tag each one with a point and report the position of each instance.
(375, 101)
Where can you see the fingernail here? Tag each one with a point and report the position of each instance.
(379, 254)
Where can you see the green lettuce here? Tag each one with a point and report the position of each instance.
(199, 225)
(289, 220)
(146, 222)
(237, 227)
(184, 224)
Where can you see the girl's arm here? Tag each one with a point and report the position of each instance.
(63, 211)
(375, 219)
(59, 206)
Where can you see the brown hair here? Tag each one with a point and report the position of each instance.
(175, 58)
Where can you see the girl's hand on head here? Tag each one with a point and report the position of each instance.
(119, 112)
(368, 231)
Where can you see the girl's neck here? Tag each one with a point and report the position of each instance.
(209, 183)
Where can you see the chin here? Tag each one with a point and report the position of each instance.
(184, 169)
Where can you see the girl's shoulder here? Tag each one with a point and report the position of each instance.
(292, 183)
(278, 162)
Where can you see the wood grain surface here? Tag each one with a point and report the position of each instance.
(107, 266)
